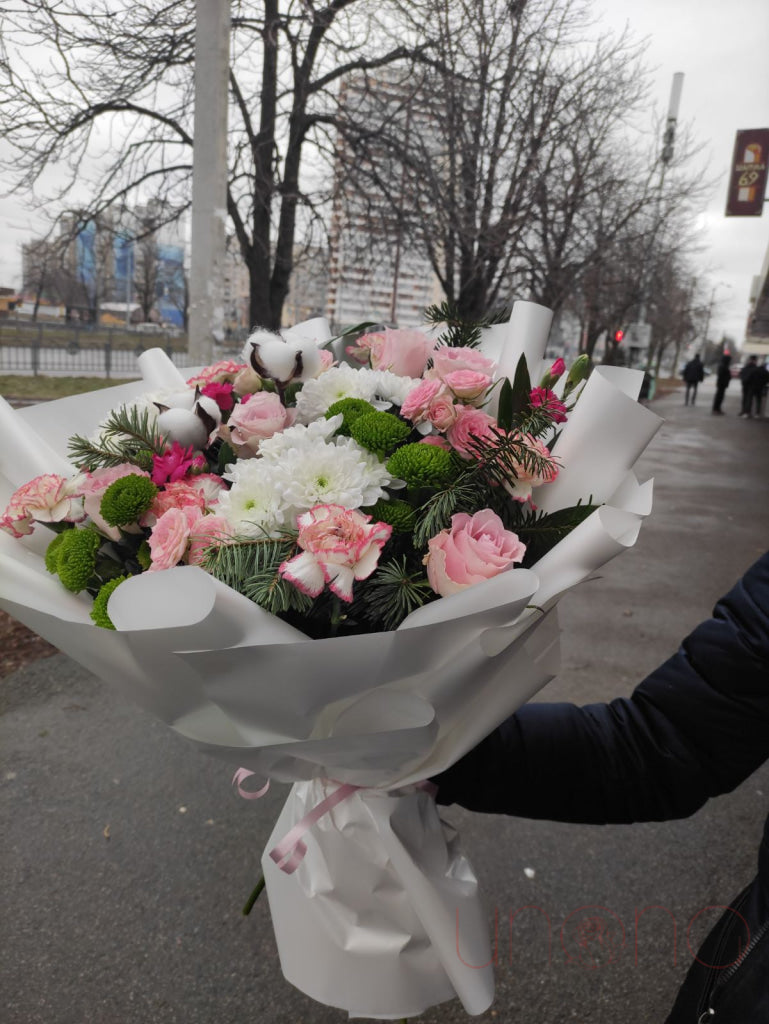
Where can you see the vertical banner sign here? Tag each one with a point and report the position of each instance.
(747, 179)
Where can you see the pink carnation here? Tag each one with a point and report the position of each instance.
(221, 392)
(224, 370)
(338, 547)
(170, 536)
(549, 402)
(527, 477)
(469, 385)
(470, 423)
(400, 351)
(209, 485)
(49, 498)
(448, 360)
(475, 548)
(261, 416)
(206, 531)
(174, 464)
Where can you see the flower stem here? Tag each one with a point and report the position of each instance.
(249, 906)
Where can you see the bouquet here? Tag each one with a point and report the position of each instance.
(338, 577)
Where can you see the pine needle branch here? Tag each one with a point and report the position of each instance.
(392, 593)
(466, 494)
(541, 531)
(251, 568)
(129, 435)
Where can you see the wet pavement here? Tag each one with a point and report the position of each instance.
(127, 856)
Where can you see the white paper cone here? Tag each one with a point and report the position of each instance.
(25, 454)
(316, 330)
(159, 371)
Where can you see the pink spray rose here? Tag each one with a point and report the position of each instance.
(442, 412)
(469, 385)
(470, 423)
(417, 403)
(256, 419)
(547, 400)
(400, 351)
(447, 360)
(526, 477)
(339, 546)
(170, 536)
(49, 498)
(475, 548)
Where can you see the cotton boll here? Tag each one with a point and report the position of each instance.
(272, 356)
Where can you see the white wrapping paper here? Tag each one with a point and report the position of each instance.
(367, 922)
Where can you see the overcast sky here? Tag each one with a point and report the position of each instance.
(723, 51)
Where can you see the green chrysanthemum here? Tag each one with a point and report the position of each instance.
(422, 465)
(144, 556)
(126, 499)
(396, 513)
(76, 558)
(52, 553)
(99, 610)
(351, 409)
(379, 432)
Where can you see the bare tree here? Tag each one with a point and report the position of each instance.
(146, 274)
(77, 74)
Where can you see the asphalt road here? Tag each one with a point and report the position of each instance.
(126, 856)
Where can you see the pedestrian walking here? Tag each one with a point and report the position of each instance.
(747, 374)
(693, 373)
(723, 378)
(695, 728)
(758, 386)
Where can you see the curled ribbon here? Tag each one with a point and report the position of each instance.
(240, 776)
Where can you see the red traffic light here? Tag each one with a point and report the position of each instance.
(618, 336)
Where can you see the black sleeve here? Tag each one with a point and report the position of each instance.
(695, 727)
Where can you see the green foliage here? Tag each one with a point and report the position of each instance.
(459, 331)
(126, 499)
(379, 432)
(251, 568)
(74, 557)
(510, 455)
(422, 465)
(127, 436)
(519, 400)
(351, 409)
(392, 593)
(468, 493)
(225, 457)
(99, 610)
(541, 531)
(396, 513)
(144, 556)
(505, 406)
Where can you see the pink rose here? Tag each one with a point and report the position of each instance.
(549, 402)
(326, 360)
(206, 531)
(527, 476)
(92, 486)
(442, 412)
(400, 351)
(470, 423)
(247, 382)
(469, 385)
(437, 440)
(447, 360)
(418, 400)
(49, 498)
(474, 549)
(260, 417)
(224, 370)
(179, 494)
(338, 547)
(170, 536)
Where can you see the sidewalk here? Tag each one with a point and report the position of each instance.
(127, 855)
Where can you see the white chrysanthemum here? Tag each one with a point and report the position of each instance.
(331, 474)
(335, 384)
(254, 504)
(301, 437)
(391, 387)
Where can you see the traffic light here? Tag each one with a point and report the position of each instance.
(618, 336)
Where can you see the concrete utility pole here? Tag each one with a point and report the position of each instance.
(209, 179)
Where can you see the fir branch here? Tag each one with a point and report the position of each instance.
(503, 459)
(251, 568)
(392, 593)
(467, 493)
(542, 531)
(461, 332)
(129, 435)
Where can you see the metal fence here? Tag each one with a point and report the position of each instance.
(72, 360)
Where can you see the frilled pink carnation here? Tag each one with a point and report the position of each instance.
(544, 398)
(179, 494)
(170, 536)
(526, 478)
(49, 498)
(206, 531)
(256, 419)
(557, 369)
(222, 394)
(475, 548)
(339, 546)
(418, 400)
(224, 370)
(470, 423)
(209, 485)
(175, 464)
(469, 385)
(401, 351)
(449, 360)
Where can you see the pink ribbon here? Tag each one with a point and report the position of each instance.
(240, 776)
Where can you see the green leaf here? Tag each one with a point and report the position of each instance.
(541, 531)
(226, 457)
(521, 388)
(505, 407)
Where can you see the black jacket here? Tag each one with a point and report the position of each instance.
(695, 728)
